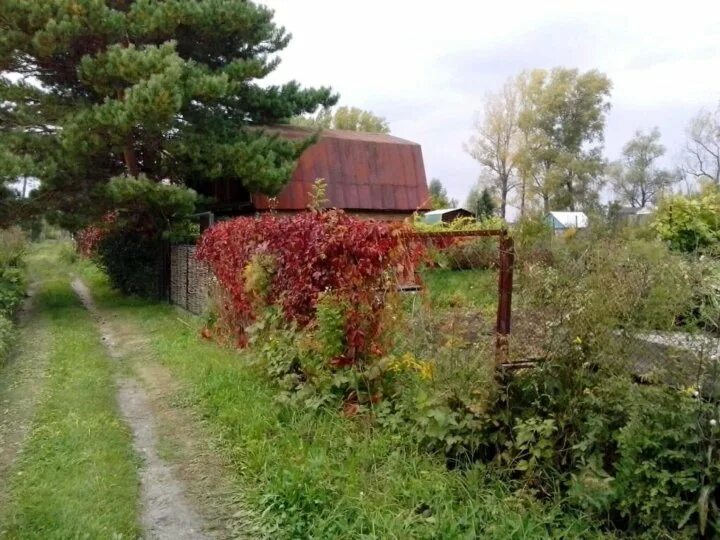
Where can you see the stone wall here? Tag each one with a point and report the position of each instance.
(189, 280)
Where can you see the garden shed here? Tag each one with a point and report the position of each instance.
(446, 215)
(367, 174)
(562, 221)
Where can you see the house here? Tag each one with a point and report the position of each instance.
(562, 221)
(446, 215)
(368, 174)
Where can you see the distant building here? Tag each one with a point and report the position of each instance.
(562, 221)
(446, 215)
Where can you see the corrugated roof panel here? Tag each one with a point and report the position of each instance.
(364, 196)
(363, 172)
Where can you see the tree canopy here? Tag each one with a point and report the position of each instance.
(636, 178)
(497, 143)
(563, 121)
(438, 196)
(93, 90)
(702, 149)
(542, 135)
(347, 118)
(481, 202)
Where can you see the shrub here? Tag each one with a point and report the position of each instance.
(12, 282)
(131, 261)
(468, 254)
(12, 247)
(690, 223)
(668, 469)
(127, 242)
(311, 254)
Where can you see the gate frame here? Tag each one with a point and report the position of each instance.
(506, 264)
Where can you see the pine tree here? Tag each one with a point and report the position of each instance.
(157, 90)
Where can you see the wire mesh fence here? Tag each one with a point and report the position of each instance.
(631, 306)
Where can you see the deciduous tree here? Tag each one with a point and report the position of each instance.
(347, 118)
(702, 149)
(563, 120)
(636, 178)
(496, 144)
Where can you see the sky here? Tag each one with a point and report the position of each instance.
(426, 66)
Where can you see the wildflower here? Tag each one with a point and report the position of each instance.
(578, 340)
(713, 422)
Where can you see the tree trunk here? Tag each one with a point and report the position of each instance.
(546, 202)
(131, 160)
(522, 196)
(129, 154)
(503, 198)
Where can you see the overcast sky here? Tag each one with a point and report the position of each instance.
(425, 66)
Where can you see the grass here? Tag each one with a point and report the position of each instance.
(462, 288)
(77, 474)
(317, 474)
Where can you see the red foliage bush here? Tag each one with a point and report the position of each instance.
(356, 260)
(88, 239)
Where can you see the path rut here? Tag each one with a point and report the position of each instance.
(166, 513)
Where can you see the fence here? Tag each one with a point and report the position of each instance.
(189, 280)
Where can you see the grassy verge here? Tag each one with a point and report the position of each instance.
(462, 288)
(77, 474)
(319, 475)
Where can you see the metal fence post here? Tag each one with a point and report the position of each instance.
(505, 287)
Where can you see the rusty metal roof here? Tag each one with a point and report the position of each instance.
(364, 172)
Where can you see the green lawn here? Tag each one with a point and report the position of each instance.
(317, 474)
(476, 289)
(77, 474)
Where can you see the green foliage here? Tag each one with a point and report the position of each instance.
(131, 261)
(460, 224)
(690, 223)
(330, 330)
(474, 253)
(6, 336)
(318, 195)
(481, 203)
(311, 473)
(13, 283)
(438, 196)
(562, 120)
(636, 178)
(168, 90)
(141, 200)
(346, 118)
(668, 472)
